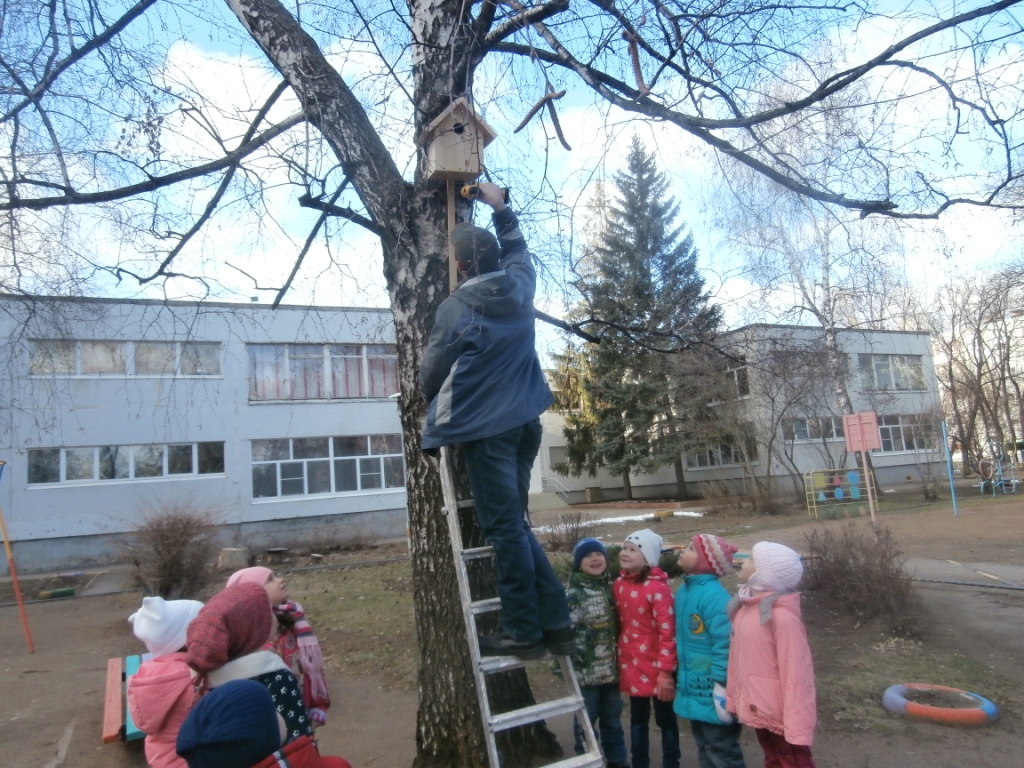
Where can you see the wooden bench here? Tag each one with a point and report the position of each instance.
(117, 720)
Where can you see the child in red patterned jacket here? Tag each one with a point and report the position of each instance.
(647, 646)
(294, 641)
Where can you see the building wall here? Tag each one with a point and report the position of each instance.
(57, 524)
(758, 408)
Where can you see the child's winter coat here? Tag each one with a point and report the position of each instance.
(702, 635)
(647, 627)
(269, 669)
(159, 700)
(771, 674)
(595, 623)
(300, 650)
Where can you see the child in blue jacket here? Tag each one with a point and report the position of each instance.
(702, 639)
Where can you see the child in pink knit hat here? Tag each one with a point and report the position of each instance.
(295, 641)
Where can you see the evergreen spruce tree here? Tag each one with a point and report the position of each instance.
(629, 402)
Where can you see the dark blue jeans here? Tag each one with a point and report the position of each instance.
(639, 719)
(604, 706)
(532, 598)
(718, 746)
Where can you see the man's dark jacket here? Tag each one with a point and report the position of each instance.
(480, 373)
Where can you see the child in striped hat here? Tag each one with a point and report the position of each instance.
(703, 632)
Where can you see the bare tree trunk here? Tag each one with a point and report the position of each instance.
(411, 223)
(627, 487)
(677, 465)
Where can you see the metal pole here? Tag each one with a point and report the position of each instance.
(14, 574)
(949, 465)
(868, 483)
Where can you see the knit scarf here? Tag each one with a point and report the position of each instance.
(745, 592)
(310, 658)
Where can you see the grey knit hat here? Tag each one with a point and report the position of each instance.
(476, 249)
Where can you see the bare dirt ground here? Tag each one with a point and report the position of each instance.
(51, 702)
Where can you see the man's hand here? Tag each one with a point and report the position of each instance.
(492, 195)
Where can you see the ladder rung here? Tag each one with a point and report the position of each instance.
(466, 504)
(477, 553)
(492, 664)
(485, 606)
(588, 760)
(532, 714)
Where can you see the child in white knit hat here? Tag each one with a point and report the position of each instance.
(160, 693)
(647, 646)
(771, 675)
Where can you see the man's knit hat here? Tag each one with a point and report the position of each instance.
(648, 542)
(255, 575)
(162, 624)
(233, 726)
(777, 567)
(475, 248)
(586, 547)
(236, 622)
(714, 554)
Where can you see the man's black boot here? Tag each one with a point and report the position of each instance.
(504, 645)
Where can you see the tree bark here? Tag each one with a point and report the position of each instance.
(412, 223)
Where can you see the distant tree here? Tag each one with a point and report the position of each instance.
(641, 297)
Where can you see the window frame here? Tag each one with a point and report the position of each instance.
(112, 455)
(916, 431)
(128, 353)
(813, 429)
(892, 372)
(330, 369)
(344, 459)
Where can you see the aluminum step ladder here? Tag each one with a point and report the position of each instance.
(483, 666)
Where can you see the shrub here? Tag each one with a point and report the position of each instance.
(171, 551)
(865, 573)
(570, 528)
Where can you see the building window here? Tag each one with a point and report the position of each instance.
(124, 462)
(891, 372)
(812, 428)
(314, 465)
(738, 378)
(322, 371)
(729, 451)
(906, 433)
(124, 358)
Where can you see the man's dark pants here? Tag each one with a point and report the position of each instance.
(532, 597)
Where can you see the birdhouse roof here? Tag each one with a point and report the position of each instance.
(458, 110)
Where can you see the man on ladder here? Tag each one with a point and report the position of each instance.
(485, 388)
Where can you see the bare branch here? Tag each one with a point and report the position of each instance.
(153, 183)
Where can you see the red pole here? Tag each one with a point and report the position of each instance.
(14, 574)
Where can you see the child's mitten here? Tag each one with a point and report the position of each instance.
(718, 696)
(666, 687)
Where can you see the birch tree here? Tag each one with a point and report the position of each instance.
(120, 171)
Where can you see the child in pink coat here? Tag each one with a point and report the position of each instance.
(647, 647)
(160, 694)
(771, 676)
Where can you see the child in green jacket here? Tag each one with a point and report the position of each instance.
(596, 627)
(703, 631)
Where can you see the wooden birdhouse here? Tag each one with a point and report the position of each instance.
(455, 142)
